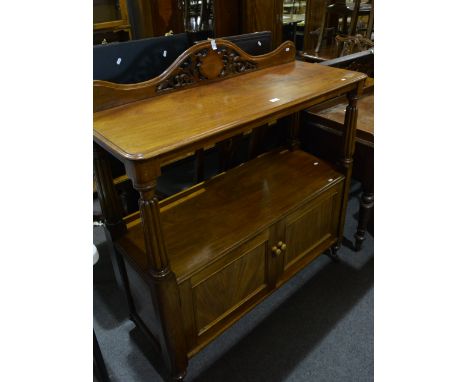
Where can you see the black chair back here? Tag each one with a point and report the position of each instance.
(137, 60)
(255, 43)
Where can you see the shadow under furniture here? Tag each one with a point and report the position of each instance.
(99, 366)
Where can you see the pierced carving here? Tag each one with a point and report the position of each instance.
(353, 44)
(207, 64)
(233, 62)
(186, 75)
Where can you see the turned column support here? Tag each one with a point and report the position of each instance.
(163, 284)
(294, 125)
(111, 205)
(365, 213)
(347, 150)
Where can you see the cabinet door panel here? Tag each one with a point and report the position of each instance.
(222, 289)
(311, 225)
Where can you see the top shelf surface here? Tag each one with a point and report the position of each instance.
(171, 122)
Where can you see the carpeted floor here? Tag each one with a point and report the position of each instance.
(318, 327)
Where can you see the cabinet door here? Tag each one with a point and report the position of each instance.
(311, 229)
(225, 290)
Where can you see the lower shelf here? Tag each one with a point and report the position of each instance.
(233, 207)
(235, 239)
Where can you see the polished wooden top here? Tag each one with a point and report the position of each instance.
(178, 121)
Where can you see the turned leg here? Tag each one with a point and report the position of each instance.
(256, 141)
(199, 166)
(332, 252)
(367, 198)
(370, 22)
(161, 279)
(111, 204)
(294, 125)
(112, 213)
(365, 212)
(322, 29)
(354, 17)
(347, 153)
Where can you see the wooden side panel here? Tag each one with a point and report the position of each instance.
(309, 226)
(146, 312)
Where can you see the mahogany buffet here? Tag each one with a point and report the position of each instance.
(195, 263)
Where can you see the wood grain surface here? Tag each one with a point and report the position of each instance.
(174, 121)
(233, 207)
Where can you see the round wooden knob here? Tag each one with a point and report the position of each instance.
(283, 247)
(278, 252)
(274, 248)
(280, 243)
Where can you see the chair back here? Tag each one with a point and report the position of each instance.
(255, 43)
(137, 60)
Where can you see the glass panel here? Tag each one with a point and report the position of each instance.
(106, 10)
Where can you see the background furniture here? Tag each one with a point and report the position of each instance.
(326, 127)
(199, 260)
(255, 43)
(111, 23)
(260, 15)
(137, 60)
(340, 9)
(353, 44)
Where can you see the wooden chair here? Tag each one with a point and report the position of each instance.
(339, 9)
(353, 44)
(325, 128)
